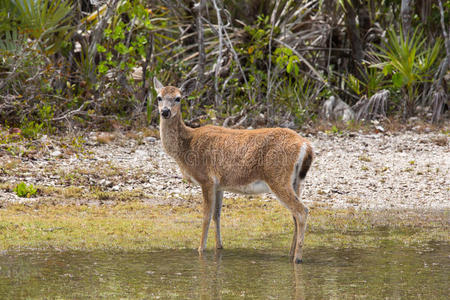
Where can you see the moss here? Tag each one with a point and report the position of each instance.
(66, 195)
(255, 223)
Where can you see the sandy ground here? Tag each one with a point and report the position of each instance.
(405, 170)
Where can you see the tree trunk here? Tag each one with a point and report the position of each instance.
(364, 20)
(353, 34)
(406, 17)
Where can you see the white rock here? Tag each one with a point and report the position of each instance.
(56, 153)
(150, 139)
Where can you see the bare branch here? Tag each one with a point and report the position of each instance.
(447, 41)
(97, 33)
(201, 45)
(218, 96)
(272, 25)
(79, 110)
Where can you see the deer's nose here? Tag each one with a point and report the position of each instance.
(165, 113)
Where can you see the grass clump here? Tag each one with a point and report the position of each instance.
(364, 158)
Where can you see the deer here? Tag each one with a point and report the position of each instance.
(246, 161)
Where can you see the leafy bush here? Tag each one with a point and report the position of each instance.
(25, 191)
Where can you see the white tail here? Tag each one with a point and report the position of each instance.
(246, 161)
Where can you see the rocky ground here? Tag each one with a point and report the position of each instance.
(405, 170)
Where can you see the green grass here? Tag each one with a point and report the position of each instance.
(253, 223)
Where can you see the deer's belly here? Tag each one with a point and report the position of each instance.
(256, 187)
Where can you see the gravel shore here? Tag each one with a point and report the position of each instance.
(405, 170)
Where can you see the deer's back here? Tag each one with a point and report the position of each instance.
(242, 157)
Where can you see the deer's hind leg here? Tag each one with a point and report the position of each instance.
(294, 239)
(297, 187)
(288, 197)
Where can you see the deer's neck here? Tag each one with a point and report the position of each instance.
(175, 135)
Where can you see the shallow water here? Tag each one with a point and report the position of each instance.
(390, 272)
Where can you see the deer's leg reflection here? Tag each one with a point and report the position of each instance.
(210, 275)
(299, 282)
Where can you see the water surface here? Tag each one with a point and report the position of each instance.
(390, 272)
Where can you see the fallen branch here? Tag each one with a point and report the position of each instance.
(77, 111)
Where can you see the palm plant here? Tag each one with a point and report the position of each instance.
(410, 62)
(46, 22)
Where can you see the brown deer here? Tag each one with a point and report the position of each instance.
(244, 161)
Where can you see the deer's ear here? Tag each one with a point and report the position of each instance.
(187, 87)
(157, 85)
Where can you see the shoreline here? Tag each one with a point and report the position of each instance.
(362, 171)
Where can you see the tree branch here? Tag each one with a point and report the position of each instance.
(218, 96)
(201, 46)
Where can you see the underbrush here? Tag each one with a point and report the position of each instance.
(87, 66)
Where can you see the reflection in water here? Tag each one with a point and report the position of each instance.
(298, 286)
(209, 272)
(390, 272)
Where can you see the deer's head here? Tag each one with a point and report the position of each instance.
(169, 98)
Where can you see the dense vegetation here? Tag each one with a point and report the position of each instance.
(251, 63)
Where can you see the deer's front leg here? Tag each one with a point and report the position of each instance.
(209, 199)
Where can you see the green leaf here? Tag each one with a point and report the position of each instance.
(102, 67)
(387, 70)
(289, 67)
(292, 62)
(148, 25)
(397, 80)
(142, 40)
(296, 69)
(121, 48)
(287, 51)
(107, 33)
(100, 48)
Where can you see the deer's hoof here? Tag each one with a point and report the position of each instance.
(298, 261)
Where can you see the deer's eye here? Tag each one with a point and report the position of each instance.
(177, 99)
(159, 99)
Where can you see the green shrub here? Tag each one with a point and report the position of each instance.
(24, 190)
(411, 62)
